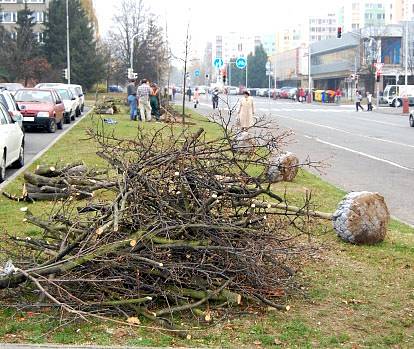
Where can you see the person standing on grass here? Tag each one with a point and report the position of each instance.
(358, 98)
(132, 100)
(246, 111)
(369, 99)
(196, 97)
(143, 94)
(155, 101)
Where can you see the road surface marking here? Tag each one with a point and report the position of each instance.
(347, 132)
(360, 153)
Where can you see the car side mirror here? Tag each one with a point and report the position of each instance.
(81, 95)
(73, 98)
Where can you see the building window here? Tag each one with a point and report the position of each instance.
(8, 1)
(13, 35)
(39, 17)
(35, 1)
(8, 17)
(39, 37)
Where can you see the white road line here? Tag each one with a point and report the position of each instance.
(360, 153)
(347, 132)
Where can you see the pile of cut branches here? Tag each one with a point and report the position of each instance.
(108, 105)
(188, 230)
(52, 183)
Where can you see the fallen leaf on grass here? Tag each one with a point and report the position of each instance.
(134, 320)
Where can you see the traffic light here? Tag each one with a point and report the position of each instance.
(224, 79)
(378, 76)
(65, 74)
(339, 33)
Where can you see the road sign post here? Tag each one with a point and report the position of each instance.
(241, 63)
(378, 68)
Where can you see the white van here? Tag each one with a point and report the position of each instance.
(394, 94)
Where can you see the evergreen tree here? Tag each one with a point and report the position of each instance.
(238, 76)
(150, 55)
(26, 47)
(86, 61)
(257, 68)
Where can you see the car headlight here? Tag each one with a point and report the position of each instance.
(43, 114)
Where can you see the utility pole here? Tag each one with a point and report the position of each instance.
(67, 40)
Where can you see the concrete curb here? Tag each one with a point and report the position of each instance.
(38, 155)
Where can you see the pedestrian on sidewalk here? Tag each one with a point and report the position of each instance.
(338, 95)
(189, 93)
(369, 99)
(246, 111)
(358, 98)
(143, 94)
(196, 98)
(132, 100)
(155, 101)
(215, 98)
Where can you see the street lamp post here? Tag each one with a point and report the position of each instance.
(132, 51)
(67, 40)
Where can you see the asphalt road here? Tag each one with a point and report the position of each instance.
(37, 140)
(370, 151)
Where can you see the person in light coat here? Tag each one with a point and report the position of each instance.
(246, 111)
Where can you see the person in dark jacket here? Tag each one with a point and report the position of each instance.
(132, 100)
(189, 94)
(215, 98)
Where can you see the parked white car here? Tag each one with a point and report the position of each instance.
(80, 94)
(11, 143)
(10, 103)
(69, 100)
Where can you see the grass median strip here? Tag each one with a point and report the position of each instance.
(349, 291)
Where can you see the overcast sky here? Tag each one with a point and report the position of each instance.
(209, 18)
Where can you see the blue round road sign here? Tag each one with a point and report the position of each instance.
(197, 73)
(218, 63)
(241, 62)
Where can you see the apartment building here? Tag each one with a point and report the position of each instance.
(10, 8)
(234, 44)
(322, 27)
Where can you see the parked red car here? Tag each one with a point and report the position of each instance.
(41, 108)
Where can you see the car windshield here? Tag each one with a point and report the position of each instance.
(34, 96)
(64, 94)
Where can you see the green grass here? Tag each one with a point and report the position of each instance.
(353, 296)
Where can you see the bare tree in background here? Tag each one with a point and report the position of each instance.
(150, 57)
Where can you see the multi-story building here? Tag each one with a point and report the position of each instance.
(322, 27)
(10, 8)
(289, 38)
(234, 44)
(365, 13)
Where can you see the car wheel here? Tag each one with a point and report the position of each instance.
(72, 117)
(3, 167)
(51, 128)
(78, 112)
(397, 103)
(60, 124)
(411, 120)
(68, 119)
(19, 163)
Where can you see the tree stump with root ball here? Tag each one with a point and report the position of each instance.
(361, 218)
(283, 167)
